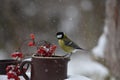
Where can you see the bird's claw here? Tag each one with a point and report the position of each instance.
(67, 55)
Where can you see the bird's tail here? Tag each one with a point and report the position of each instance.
(83, 49)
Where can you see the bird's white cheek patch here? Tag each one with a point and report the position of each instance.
(59, 36)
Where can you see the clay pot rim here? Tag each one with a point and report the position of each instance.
(52, 57)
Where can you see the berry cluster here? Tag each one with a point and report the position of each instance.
(45, 49)
(13, 71)
(32, 42)
(17, 55)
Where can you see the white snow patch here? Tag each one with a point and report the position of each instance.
(28, 59)
(83, 65)
(98, 51)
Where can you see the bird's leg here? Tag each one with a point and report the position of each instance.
(69, 55)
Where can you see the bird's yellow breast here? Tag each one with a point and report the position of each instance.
(64, 47)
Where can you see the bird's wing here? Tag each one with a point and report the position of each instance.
(70, 43)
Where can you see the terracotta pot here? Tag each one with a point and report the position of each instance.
(4, 63)
(47, 68)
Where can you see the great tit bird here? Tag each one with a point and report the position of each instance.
(66, 44)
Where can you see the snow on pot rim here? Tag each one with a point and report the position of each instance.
(51, 57)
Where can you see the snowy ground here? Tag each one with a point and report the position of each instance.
(83, 65)
(77, 77)
(74, 77)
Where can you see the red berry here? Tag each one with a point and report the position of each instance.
(13, 55)
(52, 49)
(11, 74)
(31, 43)
(32, 36)
(10, 67)
(41, 50)
(17, 55)
(20, 55)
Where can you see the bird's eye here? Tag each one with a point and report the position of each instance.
(59, 36)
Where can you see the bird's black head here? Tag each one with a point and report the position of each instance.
(60, 35)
